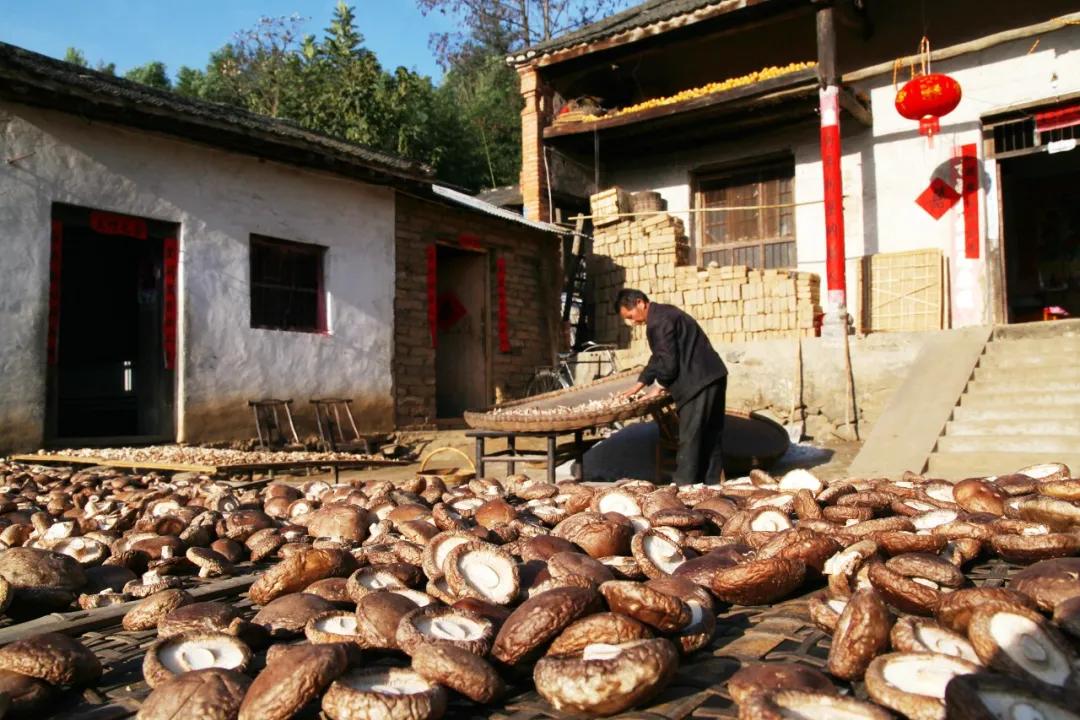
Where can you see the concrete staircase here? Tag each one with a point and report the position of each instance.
(1021, 405)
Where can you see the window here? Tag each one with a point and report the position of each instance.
(287, 285)
(758, 237)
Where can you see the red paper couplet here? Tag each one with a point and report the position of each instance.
(469, 241)
(432, 299)
(504, 325)
(835, 269)
(937, 198)
(969, 175)
(108, 223)
(170, 251)
(1057, 119)
(55, 266)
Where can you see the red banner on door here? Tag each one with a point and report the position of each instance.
(108, 223)
(171, 260)
(500, 289)
(432, 295)
(969, 176)
(55, 266)
(937, 198)
(1057, 119)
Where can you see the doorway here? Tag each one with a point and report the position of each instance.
(461, 355)
(111, 329)
(1042, 235)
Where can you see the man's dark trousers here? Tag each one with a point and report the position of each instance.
(701, 428)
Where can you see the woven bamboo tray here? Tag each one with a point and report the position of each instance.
(776, 633)
(572, 396)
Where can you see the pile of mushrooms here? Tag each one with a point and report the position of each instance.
(196, 455)
(608, 402)
(389, 600)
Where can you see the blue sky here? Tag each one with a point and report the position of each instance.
(131, 32)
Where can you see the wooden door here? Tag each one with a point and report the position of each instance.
(461, 378)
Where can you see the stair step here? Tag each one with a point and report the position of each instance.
(959, 465)
(1046, 444)
(1018, 412)
(1013, 426)
(1006, 399)
(1022, 383)
(1038, 362)
(1040, 346)
(1066, 372)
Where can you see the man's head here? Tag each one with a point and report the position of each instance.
(632, 306)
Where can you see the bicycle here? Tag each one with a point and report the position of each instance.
(561, 376)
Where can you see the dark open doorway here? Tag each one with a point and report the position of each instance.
(461, 356)
(1042, 234)
(112, 328)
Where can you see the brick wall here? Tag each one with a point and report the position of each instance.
(532, 296)
(534, 117)
(652, 253)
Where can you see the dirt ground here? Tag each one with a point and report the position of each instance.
(829, 461)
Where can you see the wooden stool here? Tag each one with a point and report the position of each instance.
(268, 425)
(332, 429)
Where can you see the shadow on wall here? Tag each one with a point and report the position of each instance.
(608, 279)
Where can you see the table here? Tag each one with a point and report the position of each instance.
(513, 457)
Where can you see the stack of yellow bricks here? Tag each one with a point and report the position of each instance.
(650, 252)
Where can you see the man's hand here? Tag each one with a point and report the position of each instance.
(638, 387)
(653, 392)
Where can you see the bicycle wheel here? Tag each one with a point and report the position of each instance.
(544, 381)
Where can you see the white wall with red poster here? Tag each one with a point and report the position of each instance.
(250, 231)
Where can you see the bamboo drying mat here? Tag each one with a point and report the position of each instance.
(777, 633)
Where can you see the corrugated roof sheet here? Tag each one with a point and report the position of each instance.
(473, 203)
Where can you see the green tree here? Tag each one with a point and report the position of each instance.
(75, 56)
(152, 74)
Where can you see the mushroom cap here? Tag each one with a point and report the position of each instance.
(339, 521)
(562, 564)
(210, 562)
(606, 679)
(607, 628)
(496, 614)
(86, 551)
(656, 554)
(383, 576)
(616, 500)
(911, 634)
(296, 572)
(976, 496)
(825, 611)
(652, 607)
(332, 590)
(287, 616)
(926, 565)
(539, 619)
(1058, 514)
(758, 581)
(445, 626)
(438, 548)
(903, 593)
(1067, 616)
(459, 670)
(861, 633)
(292, 680)
(955, 609)
(787, 704)
(987, 696)
(1032, 548)
(390, 693)
(333, 626)
(207, 616)
(812, 548)
(623, 567)
(28, 694)
(42, 577)
(898, 542)
(913, 684)
(596, 535)
(378, 615)
(1019, 642)
(544, 546)
(1063, 489)
(483, 571)
(1046, 472)
(147, 612)
(57, 659)
(169, 657)
(210, 694)
(769, 677)
(1047, 582)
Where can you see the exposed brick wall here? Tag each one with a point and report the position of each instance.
(532, 297)
(534, 117)
(651, 254)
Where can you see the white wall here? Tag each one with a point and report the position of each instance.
(887, 166)
(219, 199)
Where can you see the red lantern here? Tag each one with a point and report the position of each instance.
(927, 96)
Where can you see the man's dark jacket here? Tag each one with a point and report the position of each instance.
(683, 360)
